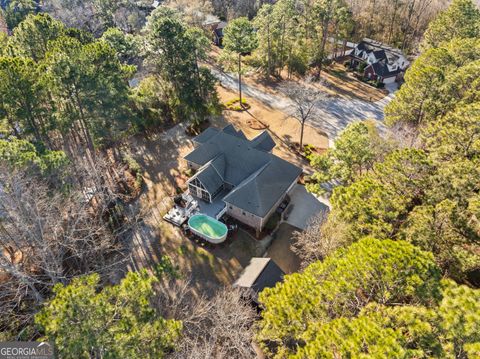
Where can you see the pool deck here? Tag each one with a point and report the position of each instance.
(214, 208)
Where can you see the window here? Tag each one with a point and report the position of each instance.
(205, 196)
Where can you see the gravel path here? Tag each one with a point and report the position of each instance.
(332, 117)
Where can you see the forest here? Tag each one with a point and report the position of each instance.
(392, 271)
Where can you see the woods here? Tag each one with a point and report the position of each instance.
(416, 187)
(88, 88)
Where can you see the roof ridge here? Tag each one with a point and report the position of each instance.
(215, 168)
(247, 180)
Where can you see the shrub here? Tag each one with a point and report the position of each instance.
(297, 65)
(361, 67)
(327, 62)
(234, 105)
(135, 169)
(189, 172)
(308, 150)
(347, 64)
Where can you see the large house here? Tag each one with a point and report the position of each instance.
(238, 176)
(382, 62)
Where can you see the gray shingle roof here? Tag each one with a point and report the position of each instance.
(380, 54)
(219, 164)
(261, 191)
(259, 178)
(263, 142)
(206, 135)
(381, 69)
(210, 178)
(232, 131)
(261, 273)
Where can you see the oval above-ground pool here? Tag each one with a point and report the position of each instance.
(208, 228)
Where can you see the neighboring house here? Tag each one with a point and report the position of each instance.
(215, 26)
(382, 62)
(261, 273)
(239, 177)
(218, 33)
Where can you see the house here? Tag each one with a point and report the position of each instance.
(215, 26)
(218, 33)
(239, 177)
(261, 273)
(381, 62)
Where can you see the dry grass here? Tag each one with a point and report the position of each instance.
(342, 83)
(284, 129)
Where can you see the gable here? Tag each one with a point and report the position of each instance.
(259, 178)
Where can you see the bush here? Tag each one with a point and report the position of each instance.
(234, 105)
(297, 65)
(347, 64)
(189, 172)
(135, 169)
(308, 151)
(361, 67)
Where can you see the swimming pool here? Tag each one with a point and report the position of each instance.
(208, 228)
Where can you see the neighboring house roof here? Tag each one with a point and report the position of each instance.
(261, 273)
(222, 25)
(259, 178)
(219, 29)
(210, 19)
(381, 69)
(382, 52)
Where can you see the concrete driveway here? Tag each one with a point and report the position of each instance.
(305, 206)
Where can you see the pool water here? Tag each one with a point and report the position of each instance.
(208, 228)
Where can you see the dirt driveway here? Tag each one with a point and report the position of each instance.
(280, 250)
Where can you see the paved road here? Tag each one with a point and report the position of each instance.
(332, 117)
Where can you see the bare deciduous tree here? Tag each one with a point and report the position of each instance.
(49, 237)
(306, 101)
(323, 235)
(217, 327)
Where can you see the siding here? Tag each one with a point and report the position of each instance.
(244, 216)
(275, 206)
(193, 165)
